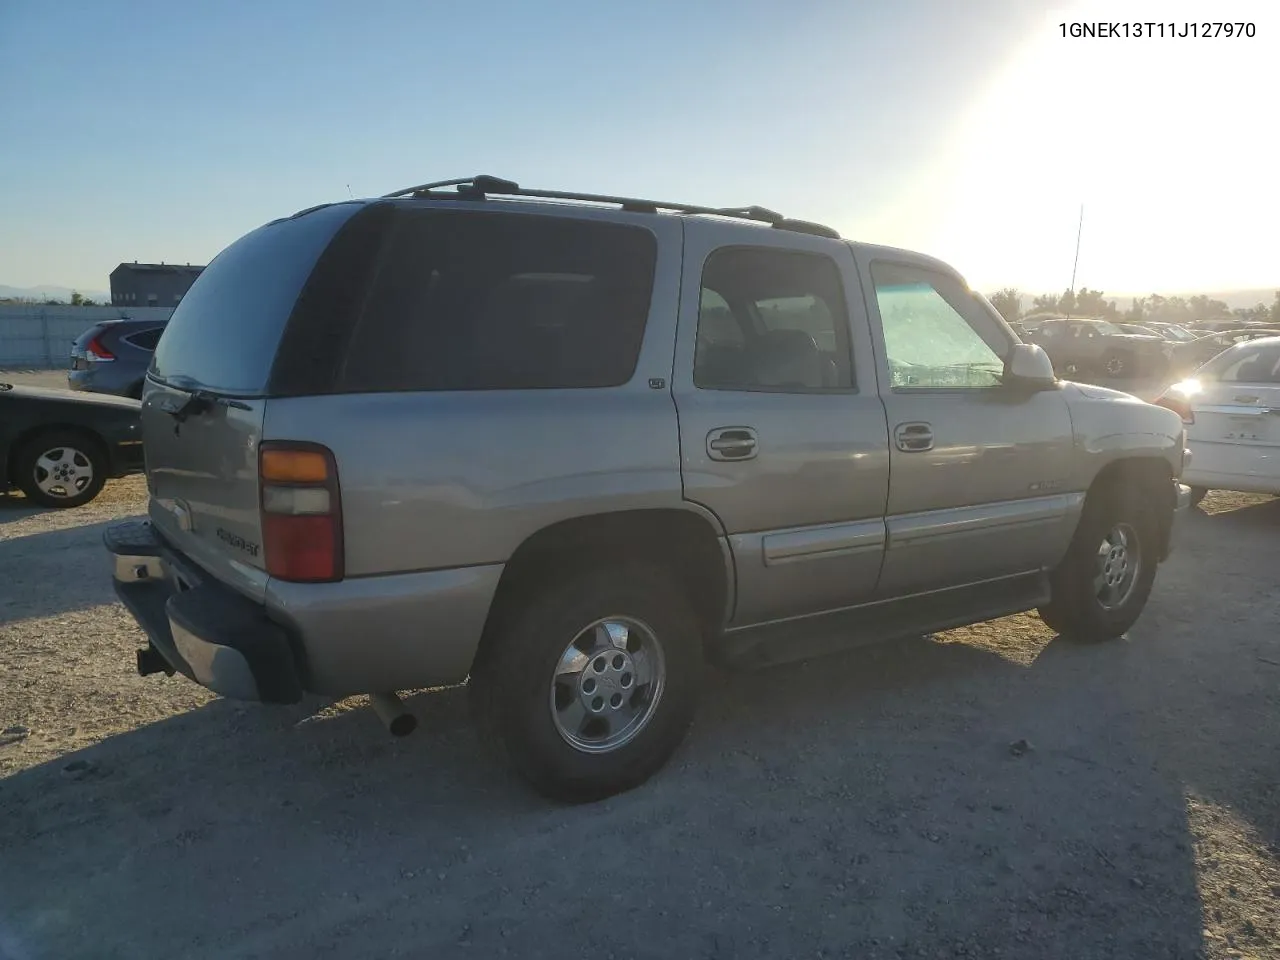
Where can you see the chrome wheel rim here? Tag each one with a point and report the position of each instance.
(63, 472)
(1118, 564)
(1115, 366)
(607, 684)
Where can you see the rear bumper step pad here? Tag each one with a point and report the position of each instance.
(207, 631)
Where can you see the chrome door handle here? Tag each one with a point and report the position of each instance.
(732, 443)
(913, 437)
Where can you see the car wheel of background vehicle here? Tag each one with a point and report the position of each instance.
(1101, 586)
(1116, 365)
(61, 468)
(1198, 494)
(1071, 369)
(590, 684)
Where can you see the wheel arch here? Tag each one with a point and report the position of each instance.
(683, 540)
(1147, 476)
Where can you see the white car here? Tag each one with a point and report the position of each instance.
(1231, 409)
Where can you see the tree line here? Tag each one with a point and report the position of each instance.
(77, 300)
(1093, 303)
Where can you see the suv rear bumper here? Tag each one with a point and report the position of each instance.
(203, 629)
(359, 635)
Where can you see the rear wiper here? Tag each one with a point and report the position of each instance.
(199, 401)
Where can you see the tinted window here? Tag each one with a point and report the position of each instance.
(935, 334)
(772, 320)
(1245, 363)
(223, 335)
(147, 339)
(483, 301)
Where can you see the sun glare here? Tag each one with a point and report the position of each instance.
(1166, 143)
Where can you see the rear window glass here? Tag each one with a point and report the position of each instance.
(481, 301)
(147, 339)
(223, 336)
(1245, 363)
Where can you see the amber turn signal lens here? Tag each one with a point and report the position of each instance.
(294, 466)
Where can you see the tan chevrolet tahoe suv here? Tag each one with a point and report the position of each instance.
(568, 447)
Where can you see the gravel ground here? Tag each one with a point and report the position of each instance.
(989, 792)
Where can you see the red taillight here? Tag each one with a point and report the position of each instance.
(301, 511)
(96, 350)
(1179, 404)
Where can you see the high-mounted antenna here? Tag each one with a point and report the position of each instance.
(1076, 262)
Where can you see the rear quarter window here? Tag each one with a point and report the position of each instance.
(224, 334)
(146, 339)
(502, 301)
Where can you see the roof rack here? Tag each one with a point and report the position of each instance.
(483, 186)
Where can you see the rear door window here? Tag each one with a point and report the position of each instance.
(500, 301)
(223, 336)
(772, 320)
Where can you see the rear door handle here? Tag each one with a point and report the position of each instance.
(913, 437)
(732, 443)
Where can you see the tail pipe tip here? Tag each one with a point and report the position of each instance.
(394, 715)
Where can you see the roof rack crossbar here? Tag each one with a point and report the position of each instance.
(479, 187)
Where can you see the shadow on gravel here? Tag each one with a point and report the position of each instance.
(921, 799)
(55, 572)
(14, 506)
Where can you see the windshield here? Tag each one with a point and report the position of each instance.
(1107, 329)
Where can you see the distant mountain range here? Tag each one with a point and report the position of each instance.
(51, 293)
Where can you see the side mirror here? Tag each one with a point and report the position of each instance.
(1029, 367)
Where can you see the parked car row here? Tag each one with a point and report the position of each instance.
(1085, 347)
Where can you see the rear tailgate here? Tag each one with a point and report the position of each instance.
(1239, 426)
(203, 476)
(205, 399)
(1237, 412)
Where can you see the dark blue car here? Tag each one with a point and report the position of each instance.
(112, 357)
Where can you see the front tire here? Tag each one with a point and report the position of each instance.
(1101, 586)
(590, 684)
(61, 469)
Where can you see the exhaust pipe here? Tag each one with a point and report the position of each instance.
(393, 713)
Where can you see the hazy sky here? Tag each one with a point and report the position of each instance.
(970, 130)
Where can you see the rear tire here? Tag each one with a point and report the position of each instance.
(1101, 586)
(589, 685)
(61, 468)
(1117, 366)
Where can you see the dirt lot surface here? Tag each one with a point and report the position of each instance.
(880, 803)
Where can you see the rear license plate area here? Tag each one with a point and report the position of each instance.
(1250, 429)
